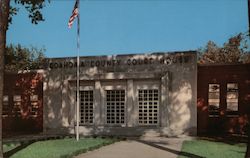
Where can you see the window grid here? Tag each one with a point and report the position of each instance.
(148, 106)
(86, 107)
(115, 106)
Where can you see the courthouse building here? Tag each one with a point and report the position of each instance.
(164, 94)
(128, 95)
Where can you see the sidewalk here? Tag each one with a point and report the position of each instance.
(149, 147)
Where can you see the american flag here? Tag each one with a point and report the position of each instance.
(75, 13)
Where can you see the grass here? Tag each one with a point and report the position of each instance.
(212, 149)
(61, 148)
(9, 146)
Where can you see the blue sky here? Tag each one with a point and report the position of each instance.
(127, 26)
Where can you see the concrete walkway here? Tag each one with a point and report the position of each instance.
(149, 147)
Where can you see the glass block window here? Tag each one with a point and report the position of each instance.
(5, 105)
(232, 96)
(115, 106)
(213, 97)
(148, 100)
(86, 107)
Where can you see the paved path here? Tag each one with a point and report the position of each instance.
(150, 147)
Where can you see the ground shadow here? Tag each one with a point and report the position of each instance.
(18, 148)
(181, 153)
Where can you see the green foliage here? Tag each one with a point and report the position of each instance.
(65, 148)
(13, 11)
(33, 7)
(21, 58)
(211, 149)
(233, 51)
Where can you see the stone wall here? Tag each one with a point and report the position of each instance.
(174, 74)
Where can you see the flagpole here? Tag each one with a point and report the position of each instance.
(78, 73)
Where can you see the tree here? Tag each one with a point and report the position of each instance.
(21, 58)
(6, 12)
(233, 51)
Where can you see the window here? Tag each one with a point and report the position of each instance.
(115, 106)
(86, 107)
(213, 97)
(17, 98)
(34, 98)
(34, 83)
(148, 100)
(34, 109)
(5, 105)
(34, 105)
(232, 97)
(17, 105)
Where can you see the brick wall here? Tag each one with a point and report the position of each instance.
(223, 120)
(22, 103)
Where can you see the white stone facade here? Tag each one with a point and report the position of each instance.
(128, 95)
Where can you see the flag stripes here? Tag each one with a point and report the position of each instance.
(75, 13)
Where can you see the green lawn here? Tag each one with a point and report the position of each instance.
(212, 149)
(61, 148)
(10, 146)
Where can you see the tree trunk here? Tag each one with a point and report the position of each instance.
(4, 14)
